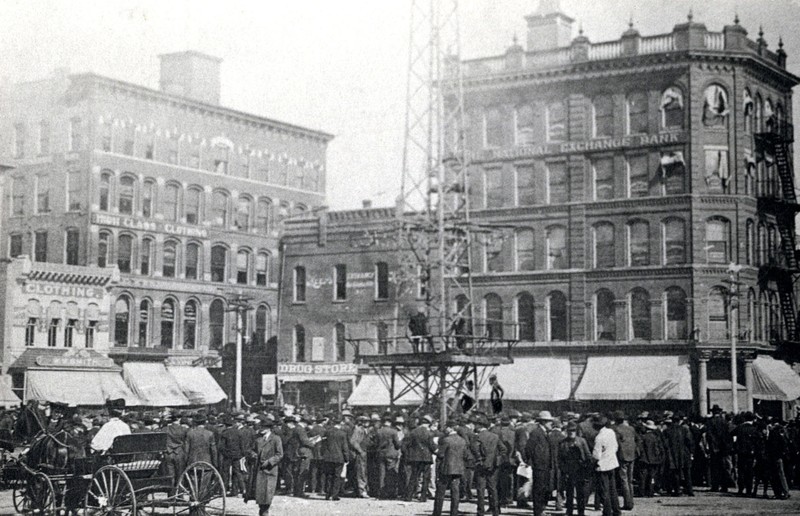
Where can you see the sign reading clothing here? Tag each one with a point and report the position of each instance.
(157, 226)
(326, 368)
(56, 289)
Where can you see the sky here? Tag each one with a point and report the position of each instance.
(334, 65)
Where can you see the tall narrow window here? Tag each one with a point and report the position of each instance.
(216, 323)
(124, 253)
(44, 137)
(122, 319)
(192, 261)
(748, 108)
(340, 282)
(126, 195)
(526, 317)
(556, 122)
(75, 134)
(557, 317)
(493, 128)
(557, 190)
(556, 241)
(52, 332)
(524, 241)
(264, 216)
(43, 193)
(637, 113)
(641, 327)
(677, 327)
(143, 335)
(221, 157)
(299, 343)
(104, 192)
(40, 246)
(69, 332)
(262, 325)
(638, 176)
(14, 245)
(750, 242)
(605, 315)
(718, 314)
(603, 178)
(167, 323)
(148, 196)
(299, 291)
(243, 214)
(494, 257)
(526, 186)
(674, 242)
(494, 186)
(638, 243)
(381, 280)
(527, 125)
(30, 331)
(145, 256)
(220, 209)
(72, 246)
(191, 206)
(341, 343)
(190, 325)
(74, 189)
(382, 333)
(493, 312)
(171, 194)
(219, 258)
(102, 249)
(170, 261)
(603, 116)
(604, 246)
(243, 267)
(717, 241)
(18, 196)
(715, 106)
(672, 108)
(262, 269)
(20, 134)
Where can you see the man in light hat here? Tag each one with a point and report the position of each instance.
(540, 456)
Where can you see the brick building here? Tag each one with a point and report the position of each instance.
(634, 172)
(182, 195)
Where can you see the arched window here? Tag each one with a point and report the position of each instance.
(603, 116)
(143, 335)
(556, 316)
(54, 313)
(190, 325)
(527, 125)
(637, 113)
(717, 240)
(219, 259)
(124, 253)
(122, 321)
(102, 248)
(127, 191)
(774, 317)
(523, 238)
(146, 256)
(299, 284)
(718, 314)
(672, 108)
(216, 324)
(556, 241)
(673, 172)
(262, 269)
(747, 108)
(715, 106)
(556, 122)
(299, 343)
(192, 261)
(262, 325)
(104, 191)
(677, 327)
(339, 341)
(763, 315)
(170, 254)
(243, 214)
(493, 313)
(264, 216)
(674, 241)
(148, 197)
(758, 114)
(605, 315)
(171, 202)
(769, 116)
(762, 244)
(604, 245)
(526, 317)
(750, 242)
(639, 243)
(167, 323)
(750, 321)
(641, 327)
(191, 205)
(243, 267)
(493, 128)
(219, 202)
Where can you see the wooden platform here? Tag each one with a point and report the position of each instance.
(429, 359)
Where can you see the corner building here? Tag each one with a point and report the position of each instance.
(183, 196)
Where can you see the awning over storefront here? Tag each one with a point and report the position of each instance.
(774, 380)
(7, 396)
(372, 392)
(151, 382)
(636, 378)
(533, 379)
(197, 384)
(77, 387)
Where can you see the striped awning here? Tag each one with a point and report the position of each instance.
(69, 277)
(774, 380)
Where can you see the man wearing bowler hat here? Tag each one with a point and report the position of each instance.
(269, 452)
(200, 444)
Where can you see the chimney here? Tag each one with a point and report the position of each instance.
(366, 204)
(191, 74)
(549, 27)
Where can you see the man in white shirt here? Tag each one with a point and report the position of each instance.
(605, 453)
(114, 427)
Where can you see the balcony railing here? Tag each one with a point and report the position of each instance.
(715, 41)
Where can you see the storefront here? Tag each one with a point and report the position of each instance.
(326, 385)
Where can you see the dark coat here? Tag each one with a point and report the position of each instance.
(539, 453)
(520, 439)
(200, 445)
(627, 438)
(718, 436)
(452, 455)
(468, 436)
(335, 446)
(420, 447)
(777, 445)
(314, 431)
(176, 437)
(747, 439)
(588, 432)
(651, 448)
(506, 435)
(488, 450)
(232, 444)
(298, 445)
(388, 442)
(269, 453)
(574, 456)
(679, 446)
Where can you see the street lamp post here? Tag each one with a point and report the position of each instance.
(241, 305)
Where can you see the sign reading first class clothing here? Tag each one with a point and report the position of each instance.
(321, 368)
(158, 226)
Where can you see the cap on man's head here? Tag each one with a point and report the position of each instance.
(427, 418)
(716, 409)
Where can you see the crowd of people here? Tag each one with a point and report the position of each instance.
(521, 458)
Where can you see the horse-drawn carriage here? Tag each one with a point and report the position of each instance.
(129, 479)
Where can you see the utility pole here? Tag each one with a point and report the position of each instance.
(733, 271)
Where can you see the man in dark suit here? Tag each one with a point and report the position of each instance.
(268, 453)
(335, 454)
(628, 441)
(419, 457)
(678, 446)
(505, 473)
(464, 429)
(231, 450)
(175, 456)
(388, 448)
(520, 441)
(200, 444)
(451, 458)
(301, 449)
(539, 455)
(488, 450)
(747, 444)
(719, 447)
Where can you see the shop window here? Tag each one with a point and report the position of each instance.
(74, 190)
(299, 290)
(191, 206)
(299, 343)
(262, 325)
(557, 317)
(605, 315)
(192, 261)
(122, 319)
(171, 199)
(143, 334)
(40, 246)
(493, 181)
(527, 123)
(526, 317)
(526, 186)
(72, 246)
(524, 243)
(381, 280)
(148, 198)
(42, 193)
(638, 176)
(340, 282)
(190, 325)
(603, 107)
(219, 203)
(243, 214)
(715, 106)
(556, 241)
(216, 323)
(145, 256)
(557, 188)
(718, 314)
(638, 243)
(243, 267)
(674, 242)
(672, 108)
(341, 343)
(748, 107)
(637, 113)
(717, 241)
(15, 245)
(264, 216)
(493, 313)
(641, 327)
(219, 259)
(603, 178)
(493, 128)
(126, 195)
(556, 122)
(170, 261)
(104, 191)
(604, 246)
(677, 326)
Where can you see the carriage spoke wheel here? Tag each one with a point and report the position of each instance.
(110, 493)
(37, 496)
(200, 491)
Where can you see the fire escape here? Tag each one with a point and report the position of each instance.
(777, 196)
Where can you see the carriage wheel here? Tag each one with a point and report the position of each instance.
(37, 496)
(110, 493)
(200, 491)
(147, 504)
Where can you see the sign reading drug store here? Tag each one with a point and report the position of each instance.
(328, 368)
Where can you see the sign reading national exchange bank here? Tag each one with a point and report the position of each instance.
(547, 149)
(158, 226)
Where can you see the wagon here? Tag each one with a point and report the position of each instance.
(128, 480)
